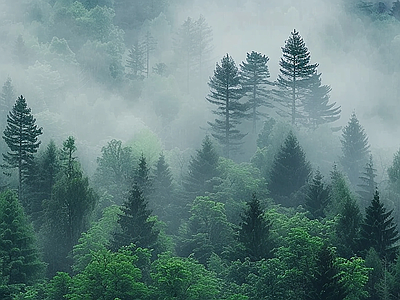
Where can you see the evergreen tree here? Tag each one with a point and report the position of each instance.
(135, 224)
(395, 10)
(295, 74)
(21, 136)
(203, 43)
(379, 231)
(355, 149)
(148, 45)
(19, 256)
(136, 61)
(142, 176)
(226, 91)
(368, 184)
(254, 76)
(290, 170)
(254, 231)
(317, 109)
(7, 98)
(201, 170)
(317, 196)
(394, 173)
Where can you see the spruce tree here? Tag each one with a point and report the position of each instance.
(295, 74)
(226, 91)
(19, 256)
(136, 62)
(254, 232)
(317, 196)
(7, 98)
(378, 230)
(21, 136)
(135, 225)
(290, 170)
(355, 149)
(368, 185)
(201, 170)
(317, 109)
(142, 176)
(254, 74)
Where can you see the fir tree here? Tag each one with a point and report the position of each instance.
(368, 184)
(136, 61)
(317, 196)
(7, 98)
(254, 76)
(203, 43)
(226, 91)
(142, 176)
(290, 170)
(135, 225)
(295, 74)
(254, 231)
(201, 170)
(355, 149)
(19, 256)
(148, 45)
(21, 136)
(379, 231)
(317, 109)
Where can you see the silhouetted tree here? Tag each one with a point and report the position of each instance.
(355, 149)
(368, 184)
(142, 176)
(317, 196)
(136, 62)
(254, 74)
(21, 136)
(295, 74)
(225, 92)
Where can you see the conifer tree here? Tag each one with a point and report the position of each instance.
(254, 231)
(7, 98)
(368, 184)
(21, 136)
(290, 170)
(378, 230)
(201, 170)
(136, 61)
(317, 109)
(295, 74)
(355, 149)
(225, 92)
(317, 196)
(135, 225)
(203, 43)
(254, 74)
(19, 261)
(142, 176)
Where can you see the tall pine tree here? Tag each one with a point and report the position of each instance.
(295, 74)
(7, 98)
(21, 136)
(317, 196)
(368, 185)
(225, 92)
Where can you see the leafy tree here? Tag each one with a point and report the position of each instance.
(21, 136)
(19, 263)
(290, 171)
(379, 230)
(317, 196)
(59, 286)
(254, 231)
(201, 170)
(295, 74)
(226, 91)
(254, 76)
(135, 225)
(368, 184)
(317, 109)
(355, 149)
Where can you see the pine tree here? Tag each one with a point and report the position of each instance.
(379, 230)
(21, 136)
(254, 74)
(290, 170)
(254, 231)
(317, 196)
(317, 109)
(135, 225)
(136, 61)
(7, 98)
(149, 44)
(355, 149)
(226, 91)
(368, 184)
(142, 176)
(295, 74)
(19, 261)
(201, 170)
(203, 43)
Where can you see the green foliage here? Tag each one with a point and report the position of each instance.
(317, 196)
(254, 77)
(290, 171)
(225, 92)
(59, 286)
(295, 74)
(355, 149)
(379, 230)
(19, 263)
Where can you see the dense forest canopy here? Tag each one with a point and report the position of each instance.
(171, 149)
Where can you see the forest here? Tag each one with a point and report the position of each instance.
(198, 150)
